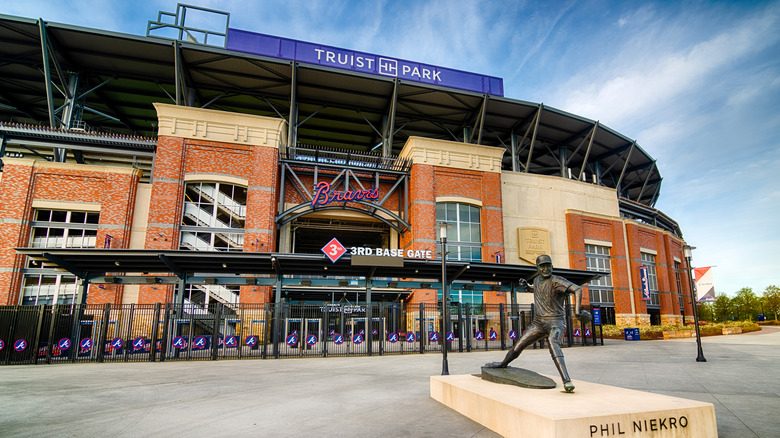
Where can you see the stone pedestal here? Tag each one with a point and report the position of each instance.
(593, 410)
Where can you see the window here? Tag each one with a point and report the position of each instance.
(56, 229)
(464, 239)
(597, 259)
(649, 261)
(473, 297)
(214, 217)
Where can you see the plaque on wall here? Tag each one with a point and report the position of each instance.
(533, 242)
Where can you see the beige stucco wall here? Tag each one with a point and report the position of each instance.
(541, 201)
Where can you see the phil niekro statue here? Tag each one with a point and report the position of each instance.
(550, 295)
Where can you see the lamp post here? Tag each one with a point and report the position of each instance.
(687, 252)
(445, 314)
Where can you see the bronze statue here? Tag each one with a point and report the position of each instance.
(550, 295)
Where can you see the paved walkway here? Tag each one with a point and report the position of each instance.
(369, 396)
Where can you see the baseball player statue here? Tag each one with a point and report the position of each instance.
(550, 295)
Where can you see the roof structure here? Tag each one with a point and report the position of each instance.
(69, 77)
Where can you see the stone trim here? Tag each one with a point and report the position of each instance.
(453, 154)
(219, 126)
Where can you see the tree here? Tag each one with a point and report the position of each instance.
(772, 299)
(745, 303)
(705, 312)
(722, 307)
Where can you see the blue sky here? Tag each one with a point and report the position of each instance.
(696, 83)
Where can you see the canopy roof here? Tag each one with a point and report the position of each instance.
(113, 79)
(95, 264)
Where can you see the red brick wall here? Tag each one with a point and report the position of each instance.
(22, 184)
(211, 161)
(581, 227)
(15, 215)
(428, 183)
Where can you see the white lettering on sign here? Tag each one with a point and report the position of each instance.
(386, 252)
(344, 59)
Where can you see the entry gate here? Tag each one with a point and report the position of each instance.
(157, 332)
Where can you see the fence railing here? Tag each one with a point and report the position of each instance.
(162, 332)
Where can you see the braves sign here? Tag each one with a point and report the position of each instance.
(323, 195)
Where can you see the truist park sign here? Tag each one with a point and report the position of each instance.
(310, 53)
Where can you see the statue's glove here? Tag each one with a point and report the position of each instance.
(585, 317)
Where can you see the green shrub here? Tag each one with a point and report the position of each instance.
(651, 332)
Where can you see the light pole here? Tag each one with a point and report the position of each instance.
(445, 314)
(687, 251)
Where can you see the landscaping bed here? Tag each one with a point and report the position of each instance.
(679, 331)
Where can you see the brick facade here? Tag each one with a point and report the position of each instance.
(27, 183)
(196, 145)
(627, 240)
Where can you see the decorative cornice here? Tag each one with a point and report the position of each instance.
(219, 126)
(453, 154)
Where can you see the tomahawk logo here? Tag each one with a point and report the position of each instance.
(388, 67)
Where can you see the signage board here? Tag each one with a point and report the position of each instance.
(20, 345)
(360, 62)
(596, 316)
(631, 334)
(334, 250)
(199, 343)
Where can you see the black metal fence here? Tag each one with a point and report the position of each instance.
(161, 332)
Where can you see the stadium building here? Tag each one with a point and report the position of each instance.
(198, 165)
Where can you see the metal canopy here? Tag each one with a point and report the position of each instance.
(91, 263)
(59, 75)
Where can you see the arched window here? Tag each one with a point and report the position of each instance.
(214, 217)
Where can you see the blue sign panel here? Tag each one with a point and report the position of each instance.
(64, 344)
(251, 341)
(311, 339)
(392, 337)
(199, 343)
(327, 56)
(433, 336)
(410, 337)
(493, 335)
(2, 344)
(357, 339)
(631, 334)
(20, 345)
(450, 336)
(644, 276)
(512, 335)
(86, 344)
(231, 342)
(479, 336)
(179, 342)
(117, 343)
(292, 340)
(597, 316)
(139, 344)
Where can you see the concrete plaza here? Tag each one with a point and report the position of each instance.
(384, 396)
